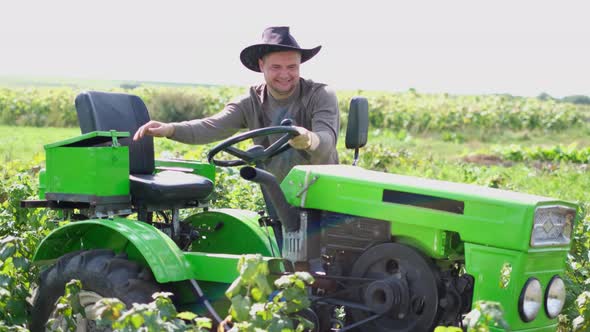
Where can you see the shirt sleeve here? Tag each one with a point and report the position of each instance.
(325, 123)
(210, 129)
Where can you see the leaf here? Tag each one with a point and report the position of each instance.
(250, 266)
(7, 239)
(263, 285)
(240, 307)
(7, 251)
(234, 288)
(137, 321)
(203, 322)
(186, 315)
(260, 312)
(306, 325)
(4, 292)
(256, 294)
(306, 277)
(283, 282)
(5, 280)
(583, 299)
(165, 295)
(166, 308)
(578, 323)
(21, 263)
(110, 309)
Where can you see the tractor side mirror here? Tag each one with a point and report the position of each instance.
(358, 125)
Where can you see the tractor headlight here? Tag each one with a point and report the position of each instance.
(554, 297)
(530, 301)
(552, 226)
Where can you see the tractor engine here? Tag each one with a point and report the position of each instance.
(390, 286)
(332, 240)
(345, 237)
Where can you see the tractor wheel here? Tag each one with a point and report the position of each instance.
(403, 294)
(102, 274)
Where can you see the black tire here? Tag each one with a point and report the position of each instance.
(100, 271)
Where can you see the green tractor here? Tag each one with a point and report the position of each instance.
(399, 253)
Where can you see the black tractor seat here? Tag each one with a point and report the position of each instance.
(169, 188)
(150, 190)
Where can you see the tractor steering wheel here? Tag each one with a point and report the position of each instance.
(256, 153)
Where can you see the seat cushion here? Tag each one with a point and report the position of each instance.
(169, 188)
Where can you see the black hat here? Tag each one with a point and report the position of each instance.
(274, 39)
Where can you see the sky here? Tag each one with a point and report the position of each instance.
(522, 47)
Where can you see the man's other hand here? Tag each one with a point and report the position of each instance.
(307, 140)
(154, 128)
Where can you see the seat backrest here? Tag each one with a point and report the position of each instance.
(104, 111)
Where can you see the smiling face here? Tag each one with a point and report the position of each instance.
(281, 72)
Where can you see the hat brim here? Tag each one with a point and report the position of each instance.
(250, 55)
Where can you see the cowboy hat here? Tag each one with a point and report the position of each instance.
(274, 39)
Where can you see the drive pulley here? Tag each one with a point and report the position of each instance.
(404, 293)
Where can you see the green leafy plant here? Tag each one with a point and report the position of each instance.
(20, 232)
(159, 315)
(557, 153)
(256, 307)
(582, 322)
(67, 309)
(485, 315)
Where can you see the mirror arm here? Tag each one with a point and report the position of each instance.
(356, 157)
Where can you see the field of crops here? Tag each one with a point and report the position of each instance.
(411, 111)
(527, 145)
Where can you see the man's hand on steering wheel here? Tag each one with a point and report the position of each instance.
(258, 153)
(306, 140)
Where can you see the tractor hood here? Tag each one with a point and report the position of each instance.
(478, 214)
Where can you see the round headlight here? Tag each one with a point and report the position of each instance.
(530, 300)
(554, 297)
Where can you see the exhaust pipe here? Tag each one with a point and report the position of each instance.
(287, 214)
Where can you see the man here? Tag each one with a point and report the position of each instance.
(312, 107)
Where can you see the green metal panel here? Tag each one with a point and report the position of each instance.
(229, 231)
(204, 169)
(548, 328)
(100, 171)
(435, 243)
(219, 267)
(490, 216)
(487, 265)
(77, 166)
(142, 243)
(42, 183)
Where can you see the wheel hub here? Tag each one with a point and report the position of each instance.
(388, 296)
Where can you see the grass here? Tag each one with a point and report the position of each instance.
(24, 143)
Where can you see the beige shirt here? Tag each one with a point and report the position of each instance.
(312, 105)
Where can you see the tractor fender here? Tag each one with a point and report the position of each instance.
(225, 231)
(140, 241)
(233, 231)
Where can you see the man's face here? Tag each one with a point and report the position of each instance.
(281, 72)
